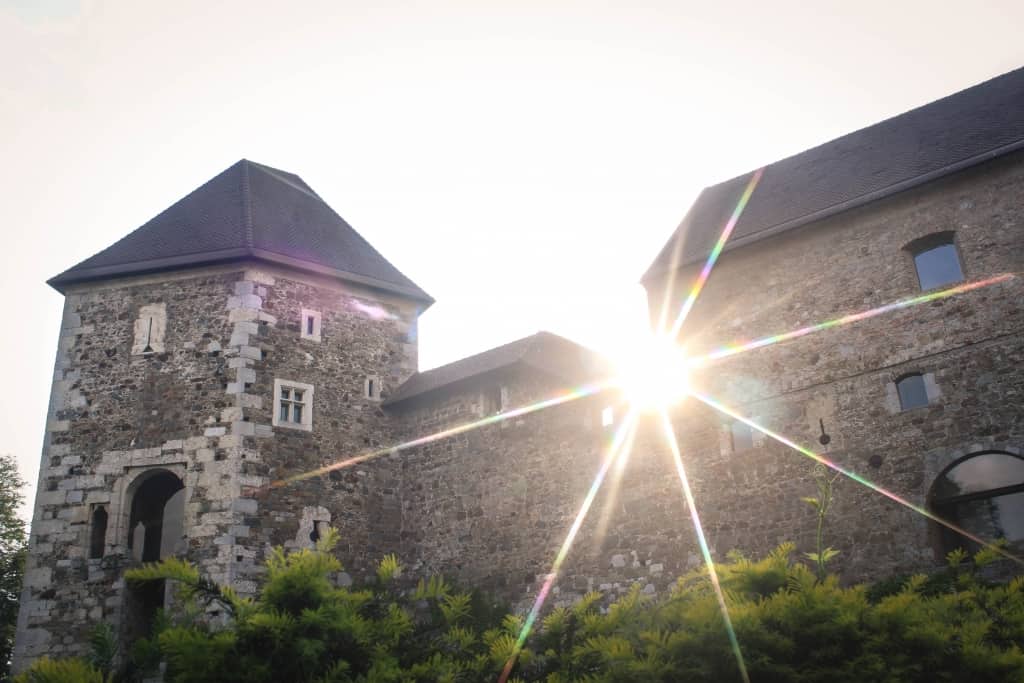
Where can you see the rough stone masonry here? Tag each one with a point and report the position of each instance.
(248, 335)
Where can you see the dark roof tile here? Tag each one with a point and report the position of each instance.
(247, 211)
(544, 351)
(955, 132)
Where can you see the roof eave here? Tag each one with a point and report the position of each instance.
(657, 270)
(79, 275)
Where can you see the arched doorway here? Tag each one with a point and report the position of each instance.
(157, 504)
(155, 523)
(982, 493)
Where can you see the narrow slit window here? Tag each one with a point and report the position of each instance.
(98, 534)
(310, 325)
(371, 388)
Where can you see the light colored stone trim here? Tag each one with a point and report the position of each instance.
(304, 332)
(307, 403)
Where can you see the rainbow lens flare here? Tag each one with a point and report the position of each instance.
(614, 451)
(734, 349)
(705, 550)
(854, 476)
(578, 393)
(705, 273)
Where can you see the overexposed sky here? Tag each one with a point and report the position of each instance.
(521, 161)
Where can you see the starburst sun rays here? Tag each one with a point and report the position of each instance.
(657, 379)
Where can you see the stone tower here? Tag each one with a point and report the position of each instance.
(247, 332)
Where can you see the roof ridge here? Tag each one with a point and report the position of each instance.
(247, 205)
(276, 175)
(874, 124)
(883, 158)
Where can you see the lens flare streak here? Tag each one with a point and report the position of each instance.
(705, 273)
(614, 452)
(853, 475)
(705, 550)
(734, 349)
(581, 392)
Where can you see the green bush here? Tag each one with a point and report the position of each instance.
(792, 623)
(47, 670)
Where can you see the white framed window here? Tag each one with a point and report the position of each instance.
(293, 405)
(371, 388)
(309, 325)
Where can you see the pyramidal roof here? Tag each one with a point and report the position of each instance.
(249, 211)
(964, 129)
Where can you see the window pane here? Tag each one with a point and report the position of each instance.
(286, 393)
(297, 414)
(284, 412)
(309, 325)
(912, 392)
(742, 437)
(298, 396)
(980, 473)
(938, 266)
(990, 518)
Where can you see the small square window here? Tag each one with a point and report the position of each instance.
(310, 325)
(294, 405)
(912, 391)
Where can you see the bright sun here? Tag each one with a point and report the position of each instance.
(655, 376)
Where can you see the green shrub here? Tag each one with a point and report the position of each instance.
(46, 670)
(793, 624)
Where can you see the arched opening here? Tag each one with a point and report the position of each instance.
(154, 532)
(983, 494)
(98, 532)
(154, 527)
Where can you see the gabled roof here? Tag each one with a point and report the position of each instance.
(967, 128)
(542, 351)
(248, 211)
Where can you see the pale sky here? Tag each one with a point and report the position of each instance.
(521, 161)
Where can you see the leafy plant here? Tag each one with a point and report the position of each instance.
(824, 481)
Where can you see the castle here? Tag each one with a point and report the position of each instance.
(248, 335)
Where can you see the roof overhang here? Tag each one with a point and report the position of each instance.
(207, 258)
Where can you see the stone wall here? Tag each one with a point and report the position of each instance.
(175, 372)
(493, 506)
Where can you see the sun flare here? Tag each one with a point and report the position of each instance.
(655, 376)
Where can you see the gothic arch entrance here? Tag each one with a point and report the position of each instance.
(156, 504)
(155, 522)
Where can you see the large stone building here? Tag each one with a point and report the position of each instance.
(247, 335)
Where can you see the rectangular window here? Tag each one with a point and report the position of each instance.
(294, 405)
(912, 392)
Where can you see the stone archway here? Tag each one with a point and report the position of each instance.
(155, 520)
